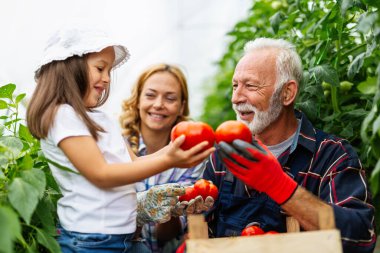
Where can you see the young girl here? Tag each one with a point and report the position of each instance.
(158, 101)
(97, 212)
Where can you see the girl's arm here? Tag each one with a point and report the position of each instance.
(84, 154)
(131, 153)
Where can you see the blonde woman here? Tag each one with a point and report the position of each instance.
(159, 100)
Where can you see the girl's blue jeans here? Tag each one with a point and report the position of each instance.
(74, 242)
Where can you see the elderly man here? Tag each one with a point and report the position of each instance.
(291, 168)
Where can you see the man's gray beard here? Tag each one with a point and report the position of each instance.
(261, 119)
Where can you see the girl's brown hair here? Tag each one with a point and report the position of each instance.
(130, 119)
(61, 82)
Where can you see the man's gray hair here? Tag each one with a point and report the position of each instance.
(288, 62)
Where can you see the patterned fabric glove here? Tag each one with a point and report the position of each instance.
(194, 206)
(257, 167)
(198, 205)
(157, 203)
(179, 209)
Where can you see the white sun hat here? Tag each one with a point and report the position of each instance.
(80, 39)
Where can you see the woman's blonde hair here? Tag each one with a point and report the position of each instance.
(130, 119)
(61, 82)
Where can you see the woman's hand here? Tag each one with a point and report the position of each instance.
(157, 203)
(194, 206)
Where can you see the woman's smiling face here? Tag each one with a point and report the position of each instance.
(160, 102)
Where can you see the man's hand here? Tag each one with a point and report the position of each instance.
(157, 203)
(194, 206)
(258, 168)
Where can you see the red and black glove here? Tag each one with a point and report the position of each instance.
(181, 248)
(258, 168)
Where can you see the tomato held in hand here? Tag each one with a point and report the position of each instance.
(252, 230)
(195, 133)
(231, 130)
(213, 192)
(190, 193)
(202, 187)
(206, 188)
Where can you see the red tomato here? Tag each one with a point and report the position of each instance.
(230, 130)
(190, 193)
(195, 133)
(271, 232)
(202, 186)
(252, 230)
(206, 188)
(213, 191)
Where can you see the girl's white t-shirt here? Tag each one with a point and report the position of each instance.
(84, 207)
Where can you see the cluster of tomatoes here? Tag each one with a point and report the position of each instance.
(196, 132)
(256, 230)
(201, 187)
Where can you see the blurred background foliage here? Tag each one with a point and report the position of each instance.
(339, 45)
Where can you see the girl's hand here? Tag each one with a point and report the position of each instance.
(180, 158)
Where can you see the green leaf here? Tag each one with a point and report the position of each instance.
(23, 197)
(314, 90)
(376, 126)
(36, 178)
(366, 22)
(308, 107)
(356, 65)
(375, 145)
(26, 163)
(2, 176)
(48, 241)
(3, 104)
(347, 131)
(276, 20)
(44, 212)
(375, 3)
(12, 122)
(368, 86)
(50, 181)
(62, 167)
(366, 123)
(7, 90)
(12, 145)
(326, 73)
(371, 45)
(3, 159)
(10, 229)
(356, 113)
(24, 133)
(20, 97)
(375, 178)
(31, 247)
(345, 5)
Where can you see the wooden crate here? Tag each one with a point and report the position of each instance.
(325, 240)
